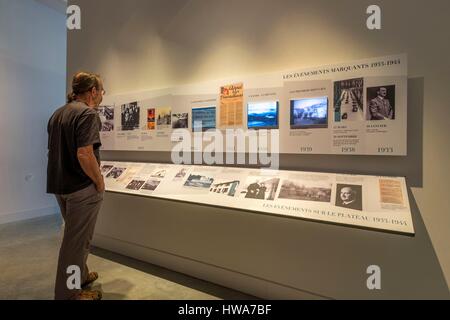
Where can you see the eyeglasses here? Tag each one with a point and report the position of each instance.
(103, 91)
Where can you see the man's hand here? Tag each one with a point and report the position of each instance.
(89, 164)
(100, 186)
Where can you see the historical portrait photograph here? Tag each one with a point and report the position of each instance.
(381, 103)
(349, 196)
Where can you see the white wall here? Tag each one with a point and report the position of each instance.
(32, 86)
(140, 44)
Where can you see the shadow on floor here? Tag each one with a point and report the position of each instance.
(172, 276)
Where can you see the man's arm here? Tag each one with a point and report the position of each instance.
(89, 164)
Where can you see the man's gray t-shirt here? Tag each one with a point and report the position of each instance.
(71, 127)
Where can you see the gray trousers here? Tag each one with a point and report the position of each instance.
(79, 211)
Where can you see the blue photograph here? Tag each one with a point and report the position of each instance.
(262, 115)
(203, 119)
(309, 113)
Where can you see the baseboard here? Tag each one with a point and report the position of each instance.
(29, 214)
(244, 283)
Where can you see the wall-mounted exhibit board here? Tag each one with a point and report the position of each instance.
(355, 108)
(363, 201)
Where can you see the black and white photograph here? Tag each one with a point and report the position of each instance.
(349, 196)
(159, 173)
(226, 188)
(130, 116)
(151, 185)
(115, 173)
(106, 115)
(180, 120)
(261, 188)
(199, 181)
(381, 103)
(180, 174)
(303, 190)
(348, 100)
(135, 184)
(105, 168)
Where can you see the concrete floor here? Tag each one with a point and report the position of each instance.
(28, 258)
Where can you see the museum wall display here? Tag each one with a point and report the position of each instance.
(355, 108)
(364, 201)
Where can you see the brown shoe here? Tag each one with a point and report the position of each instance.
(88, 295)
(92, 276)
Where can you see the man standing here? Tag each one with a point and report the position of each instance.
(73, 175)
(380, 108)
